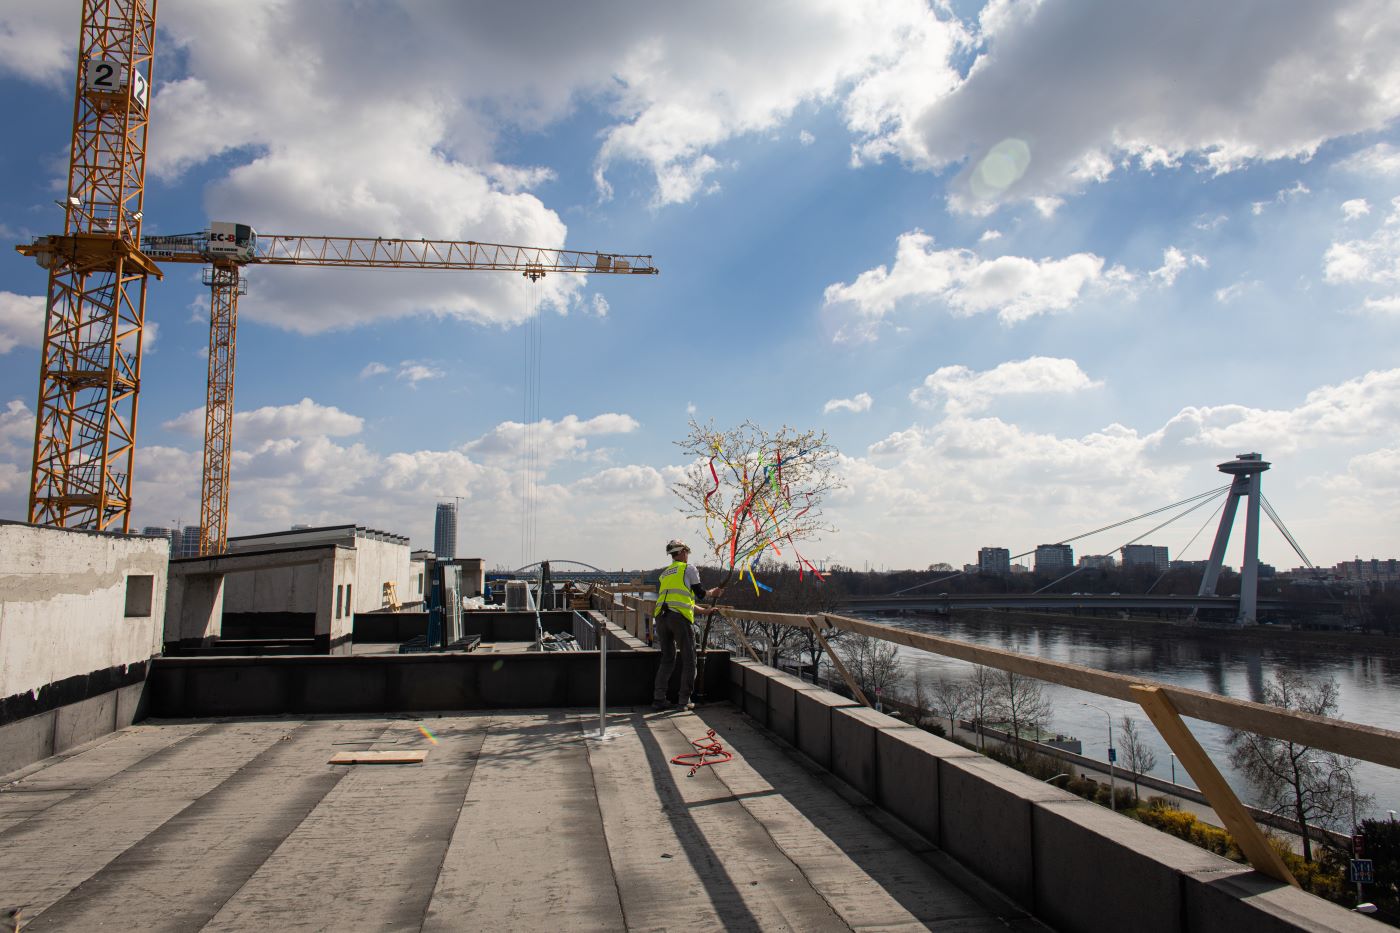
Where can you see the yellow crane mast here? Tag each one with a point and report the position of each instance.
(228, 247)
(90, 364)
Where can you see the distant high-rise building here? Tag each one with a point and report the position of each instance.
(155, 531)
(993, 560)
(188, 543)
(445, 531)
(1097, 561)
(1054, 558)
(1145, 555)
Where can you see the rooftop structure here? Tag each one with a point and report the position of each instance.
(200, 792)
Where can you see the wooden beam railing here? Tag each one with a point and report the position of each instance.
(1164, 704)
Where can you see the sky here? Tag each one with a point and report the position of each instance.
(1034, 266)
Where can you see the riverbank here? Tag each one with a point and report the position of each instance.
(1258, 635)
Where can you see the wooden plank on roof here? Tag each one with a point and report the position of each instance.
(403, 757)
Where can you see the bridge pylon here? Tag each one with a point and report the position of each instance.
(1247, 471)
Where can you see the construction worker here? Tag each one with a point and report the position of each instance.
(676, 596)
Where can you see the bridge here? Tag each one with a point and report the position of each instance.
(589, 573)
(943, 602)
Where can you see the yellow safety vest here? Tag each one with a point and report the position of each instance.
(674, 593)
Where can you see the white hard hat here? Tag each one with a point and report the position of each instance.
(675, 544)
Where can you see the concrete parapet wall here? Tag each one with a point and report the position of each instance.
(80, 619)
(1071, 863)
(74, 604)
(57, 730)
(191, 687)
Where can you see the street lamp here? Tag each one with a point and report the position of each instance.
(1172, 756)
(1112, 801)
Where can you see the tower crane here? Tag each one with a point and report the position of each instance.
(95, 306)
(228, 247)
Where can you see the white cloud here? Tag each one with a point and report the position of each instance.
(1377, 161)
(414, 372)
(551, 440)
(36, 41)
(21, 321)
(1356, 411)
(1373, 261)
(600, 306)
(806, 138)
(1390, 305)
(16, 451)
(513, 178)
(275, 422)
(960, 390)
(310, 477)
(373, 369)
(1174, 262)
(990, 482)
(1210, 223)
(1273, 80)
(16, 428)
(1355, 208)
(690, 408)
(626, 481)
(1235, 290)
(989, 235)
(861, 402)
(1284, 196)
(1014, 287)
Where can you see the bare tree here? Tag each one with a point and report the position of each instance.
(920, 699)
(1137, 754)
(873, 663)
(1312, 787)
(1020, 702)
(981, 699)
(952, 700)
(755, 492)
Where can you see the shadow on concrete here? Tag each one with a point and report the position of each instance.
(830, 812)
(724, 894)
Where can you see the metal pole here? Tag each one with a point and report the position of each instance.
(600, 632)
(1112, 801)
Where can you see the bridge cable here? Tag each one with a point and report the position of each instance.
(1205, 495)
(1204, 501)
(1182, 552)
(1127, 521)
(1278, 523)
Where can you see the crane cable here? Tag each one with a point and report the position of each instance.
(530, 414)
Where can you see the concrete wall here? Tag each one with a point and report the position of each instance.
(80, 619)
(274, 589)
(1073, 864)
(376, 563)
(378, 559)
(182, 687)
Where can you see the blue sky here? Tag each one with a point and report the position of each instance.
(1033, 266)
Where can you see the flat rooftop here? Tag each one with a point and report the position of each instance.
(519, 820)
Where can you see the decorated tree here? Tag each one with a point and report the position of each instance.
(755, 494)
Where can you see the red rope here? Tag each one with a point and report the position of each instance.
(710, 752)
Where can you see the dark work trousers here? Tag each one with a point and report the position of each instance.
(672, 632)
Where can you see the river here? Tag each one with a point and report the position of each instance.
(1233, 664)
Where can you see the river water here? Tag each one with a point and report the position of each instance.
(1226, 663)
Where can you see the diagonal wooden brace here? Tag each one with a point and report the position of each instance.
(1158, 707)
(836, 660)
